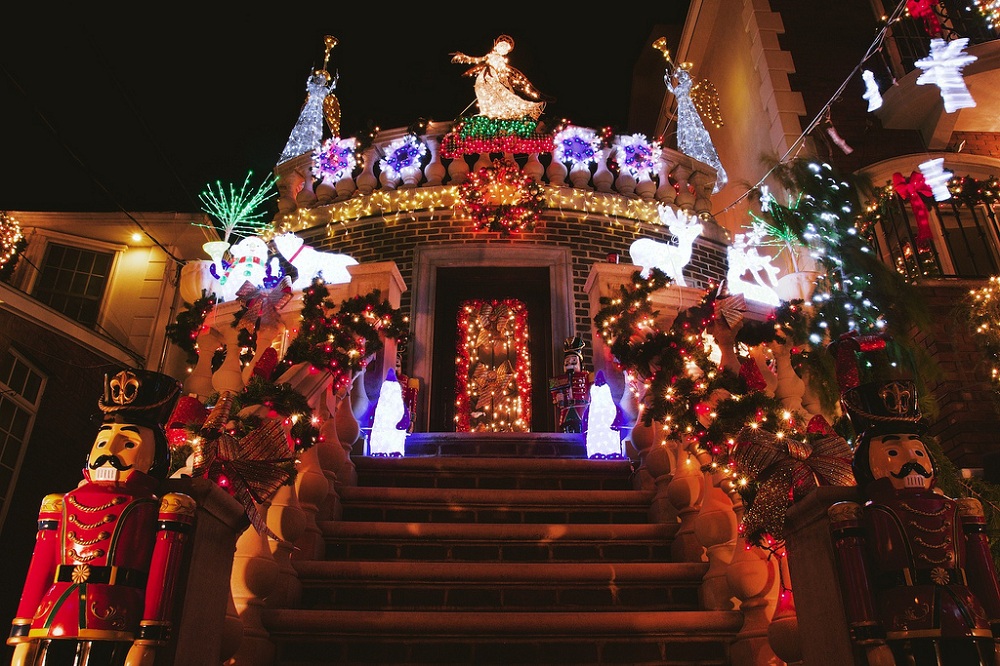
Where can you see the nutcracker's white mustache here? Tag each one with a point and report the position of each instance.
(910, 468)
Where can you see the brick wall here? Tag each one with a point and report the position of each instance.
(590, 239)
(976, 143)
(968, 423)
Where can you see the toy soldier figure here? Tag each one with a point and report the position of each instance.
(100, 586)
(571, 391)
(917, 577)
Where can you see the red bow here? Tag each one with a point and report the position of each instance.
(911, 190)
(263, 304)
(924, 9)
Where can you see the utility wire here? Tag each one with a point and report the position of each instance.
(84, 166)
(825, 110)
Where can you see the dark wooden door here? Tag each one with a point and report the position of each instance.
(455, 285)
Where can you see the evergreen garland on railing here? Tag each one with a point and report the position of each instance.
(184, 331)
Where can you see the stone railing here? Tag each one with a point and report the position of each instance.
(688, 490)
(679, 180)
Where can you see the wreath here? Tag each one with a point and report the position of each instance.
(501, 198)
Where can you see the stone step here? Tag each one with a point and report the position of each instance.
(517, 444)
(494, 472)
(512, 542)
(447, 586)
(478, 505)
(314, 637)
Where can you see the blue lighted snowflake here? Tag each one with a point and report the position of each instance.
(577, 146)
(402, 153)
(335, 159)
(636, 155)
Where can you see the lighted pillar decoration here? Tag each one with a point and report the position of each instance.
(389, 428)
(603, 421)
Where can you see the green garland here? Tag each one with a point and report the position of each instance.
(184, 331)
(342, 342)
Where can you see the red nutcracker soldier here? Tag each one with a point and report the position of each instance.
(571, 391)
(99, 590)
(915, 569)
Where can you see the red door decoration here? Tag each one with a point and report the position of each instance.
(493, 368)
(924, 9)
(913, 191)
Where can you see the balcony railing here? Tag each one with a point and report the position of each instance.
(958, 19)
(965, 243)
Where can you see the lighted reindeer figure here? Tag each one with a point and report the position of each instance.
(310, 262)
(671, 259)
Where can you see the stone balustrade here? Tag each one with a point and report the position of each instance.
(679, 179)
(688, 491)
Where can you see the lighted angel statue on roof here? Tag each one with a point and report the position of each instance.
(693, 96)
(502, 92)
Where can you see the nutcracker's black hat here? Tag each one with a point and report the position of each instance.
(142, 397)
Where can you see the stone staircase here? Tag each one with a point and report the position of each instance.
(498, 549)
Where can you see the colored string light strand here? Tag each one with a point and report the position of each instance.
(875, 46)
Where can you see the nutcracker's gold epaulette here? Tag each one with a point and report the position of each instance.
(52, 503)
(178, 503)
(969, 507)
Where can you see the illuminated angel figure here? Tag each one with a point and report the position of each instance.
(692, 137)
(502, 92)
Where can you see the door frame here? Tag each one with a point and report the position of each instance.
(427, 260)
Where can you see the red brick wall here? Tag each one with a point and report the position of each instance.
(976, 143)
(590, 240)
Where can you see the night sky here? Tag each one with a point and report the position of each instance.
(109, 113)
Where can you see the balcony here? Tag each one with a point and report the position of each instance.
(907, 105)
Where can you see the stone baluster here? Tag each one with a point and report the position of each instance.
(329, 452)
(435, 171)
(665, 191)
(759, 354)
(685, 194)
(625, 183)
(644, 438)
(326, 190)
(458, 170)
(410, 177)
(789, 387)
(715, 529)
(289, 183)
(659, 463)
(306, 197)
(366, 179)
(388, 182)
(645, 188)
(229, 376)
(199, 382)
(359, 401)
(266, 335)
(348, 431)
(312, 489)
(604, 180)
(684, 492)
(751, 577)
(346, 187)
(579, 175)
(702, 184)
(783, 633)
(556, 173)
(483, 162)
(533, 167)
(287, 520)
(255, 573)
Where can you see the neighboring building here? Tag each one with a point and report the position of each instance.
(92, 291)
(779, 77)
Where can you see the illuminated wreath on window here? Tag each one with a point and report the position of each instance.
(502, 198)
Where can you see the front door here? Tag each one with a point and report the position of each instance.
(511, 287)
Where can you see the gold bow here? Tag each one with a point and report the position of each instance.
(785, 470)
(251, 468)
(263, 304)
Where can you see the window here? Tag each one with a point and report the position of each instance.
(73, 281)
(21, 388)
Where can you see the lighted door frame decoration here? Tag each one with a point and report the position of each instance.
(488, 324)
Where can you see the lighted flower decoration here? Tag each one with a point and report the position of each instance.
(502, 198)
(636, 154)
(403, 153)
(577, 146)
(335, 159)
